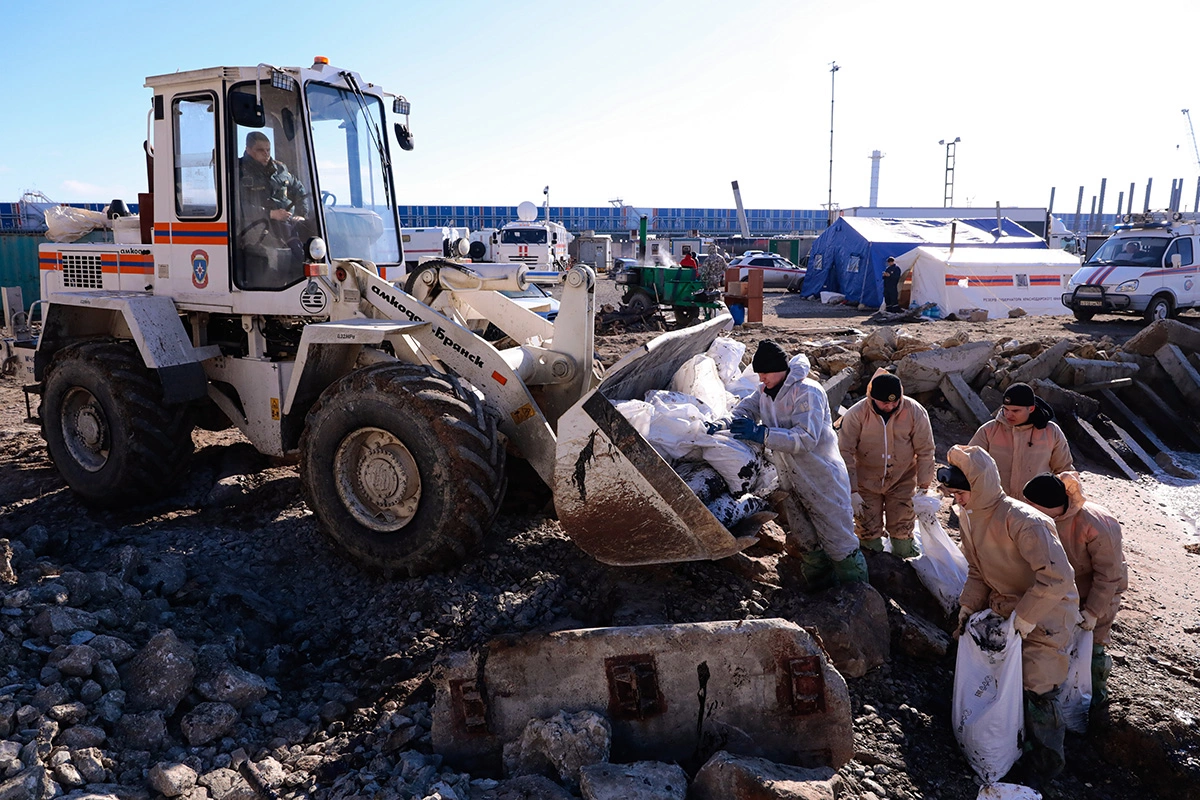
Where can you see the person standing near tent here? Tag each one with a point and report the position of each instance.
(797, 428)
(891, 286)
(1017, 567)
(887, 444)
(1091, 536)
(689, 262)
(1024, 440)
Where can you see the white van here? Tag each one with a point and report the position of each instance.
(1148, 266)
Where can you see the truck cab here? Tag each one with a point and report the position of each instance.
(538, 244)
(1148, 266)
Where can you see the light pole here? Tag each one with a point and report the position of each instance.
(951, 147)
(833, 68)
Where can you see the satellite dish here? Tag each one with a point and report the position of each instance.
(527, 212)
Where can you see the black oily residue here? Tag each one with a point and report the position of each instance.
(729, 511)
(586, 454)
(704, 481)
(989, 633)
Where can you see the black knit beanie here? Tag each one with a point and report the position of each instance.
(953, 478)
(1047, 491)
(769, 357)
(1019, 394)
(886, 388)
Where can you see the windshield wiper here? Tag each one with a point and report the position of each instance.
(373, 130)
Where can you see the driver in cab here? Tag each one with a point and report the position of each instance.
(267, 186)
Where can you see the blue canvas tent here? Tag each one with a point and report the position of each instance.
(850, 255)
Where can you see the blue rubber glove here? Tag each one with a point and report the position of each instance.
(746, 429)
(712, 427)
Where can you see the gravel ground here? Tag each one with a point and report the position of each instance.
(311, 676)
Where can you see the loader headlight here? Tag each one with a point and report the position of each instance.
(1127, 286)
(315, 248)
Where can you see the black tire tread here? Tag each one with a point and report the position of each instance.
(473, 442)
(159, 436)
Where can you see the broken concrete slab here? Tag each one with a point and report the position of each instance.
(841, 383)
(1119, 383)
(641, 780)
(1042, 366)
(1139, 452)
(854, 628)
(1172, 424)
(1064, 401)
(963, 400)
(754, 686)
(563, 744)
(923, 371)
(727, 776)
(1182, 373)
(1150, 339)
(1173, 467)
(1131, 422)
(1091, 370)
(1088, 439)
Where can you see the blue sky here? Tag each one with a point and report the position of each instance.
(660, 104)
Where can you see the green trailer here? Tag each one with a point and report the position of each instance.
(649, 288)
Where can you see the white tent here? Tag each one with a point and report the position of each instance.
(990, 278)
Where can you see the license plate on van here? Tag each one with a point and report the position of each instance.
(1089, 303)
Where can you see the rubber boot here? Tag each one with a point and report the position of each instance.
(817, 570)
(1045, 730)
(874, 545)
(1101, 669)
(851, 569)
(905, 548)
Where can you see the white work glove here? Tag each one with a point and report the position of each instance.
(1024, 627)
(964, 615)
(1089, 621)
(856, 503)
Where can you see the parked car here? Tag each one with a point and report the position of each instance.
(778, 272)
(620, 265)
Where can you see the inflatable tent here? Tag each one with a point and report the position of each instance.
(850, 255)
(996, 279)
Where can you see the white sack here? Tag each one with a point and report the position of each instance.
(66, 224)
(704, 481)
(740, 464)
(698, 377)
(639, 413)
(1076, 695)
(677, 425)
(942, 567)
(730, 512)
(988, 711)
(727, 354)
(746, 385)
(1007, 791)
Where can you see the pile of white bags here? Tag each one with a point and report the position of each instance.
(673, 422)
(988, 711)
(942, 566)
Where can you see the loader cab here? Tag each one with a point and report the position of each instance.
(250, 165)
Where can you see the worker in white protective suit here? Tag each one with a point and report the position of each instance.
(789, 415)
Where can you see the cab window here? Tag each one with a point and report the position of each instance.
(195, 157)
(1182, 246)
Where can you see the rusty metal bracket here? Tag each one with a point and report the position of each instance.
(469, 706)
(803, 685)
(633, 691)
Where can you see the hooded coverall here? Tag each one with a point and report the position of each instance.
(886, 461)
(1024, 451)
(1091, 538)
(804, 450)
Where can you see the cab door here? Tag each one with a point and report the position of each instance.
(1182, 280)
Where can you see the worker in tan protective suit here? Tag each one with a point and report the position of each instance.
(1016, 565)
(1091, 536)
(1024, 440)
(887, 444)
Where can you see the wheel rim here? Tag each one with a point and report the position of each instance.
(377, 479)
(640, 303)
(85, 429)
(1160, 310)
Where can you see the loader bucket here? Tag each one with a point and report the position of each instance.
(616, 497)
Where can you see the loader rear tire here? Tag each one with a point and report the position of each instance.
(403, 467)
(108, 431)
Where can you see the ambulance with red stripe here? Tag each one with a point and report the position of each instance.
(1149, 266)
(537, 244)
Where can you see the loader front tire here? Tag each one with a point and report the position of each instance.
(108, 431)
(403, 467)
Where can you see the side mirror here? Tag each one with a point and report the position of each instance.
(404, 136)
(246, 110)
(1176, 260)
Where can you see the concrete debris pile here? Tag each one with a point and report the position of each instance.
(1119, 405)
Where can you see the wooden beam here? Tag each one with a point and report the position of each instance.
(963, 399)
